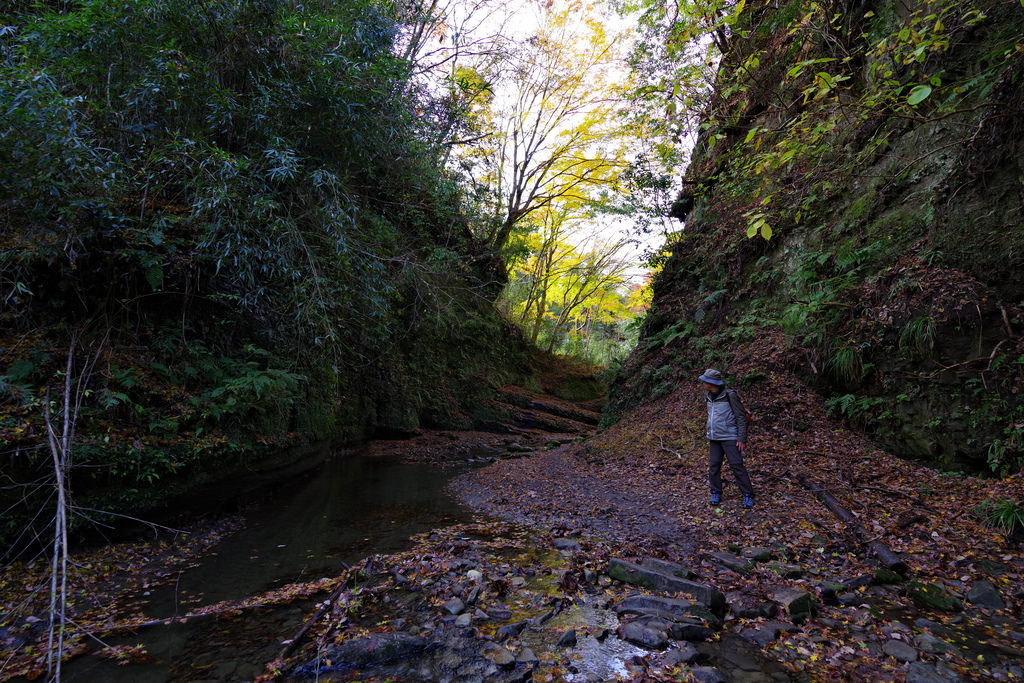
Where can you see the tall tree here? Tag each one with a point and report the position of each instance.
(554, 134)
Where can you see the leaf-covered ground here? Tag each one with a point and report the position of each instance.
(643, 485)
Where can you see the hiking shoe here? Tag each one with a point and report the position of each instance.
(748, 501)
(716, 498)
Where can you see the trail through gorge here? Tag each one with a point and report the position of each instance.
(593, 555)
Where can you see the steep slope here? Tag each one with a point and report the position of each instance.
(873, 153)
(225, 224)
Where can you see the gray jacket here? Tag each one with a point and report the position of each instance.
(726, 419)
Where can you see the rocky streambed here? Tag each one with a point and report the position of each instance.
(500, 602)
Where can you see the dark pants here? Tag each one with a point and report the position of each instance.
(735, 458)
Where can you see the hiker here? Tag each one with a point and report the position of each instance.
(727, 435)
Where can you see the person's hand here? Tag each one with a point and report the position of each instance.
(740, 445)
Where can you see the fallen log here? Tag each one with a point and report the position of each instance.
(881, 552)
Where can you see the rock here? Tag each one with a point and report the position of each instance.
(858, 581)
(652, 604)
(511, 630)
(787, 571)
(690, 631)
(745, 607)
(501, 657)
(454, 606)
(885, 577)
(900, 650)
(670, 568)
(562, 543)
(642, 636)
(527, 657)
(932, 596)
(371, 650)
(463, 620)
(830, 591)
(799, 604)
(543, 618)
(473, 596)
(757, 554)
(984, 594)
(846, 599)
(475, 575)
(758, 636)
(636, 575)
(707, 674)
(740, 565)
(931, 644)
(685, 653)
(920, 672)
(499, 613)
(517, 582)
(568, 639)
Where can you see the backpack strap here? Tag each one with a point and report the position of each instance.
(740, 412)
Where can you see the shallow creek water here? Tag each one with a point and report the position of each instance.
(349, 508)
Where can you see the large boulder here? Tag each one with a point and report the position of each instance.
(657, 580)
(371, 650)
(798, 604)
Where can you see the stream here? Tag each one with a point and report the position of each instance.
(348, 508)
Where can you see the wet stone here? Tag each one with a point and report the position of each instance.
(758, 636)
(708, 674)
(568, 639)
(499, 613)
(670, 568)
(690, 632)
(511, 630)
(900, 650)
(746, 607)
(463, 620)
(501, 657)
(652, 604)
(932, 596)
(984, 594)
(736, 563)
(562, 543)
(526, 656)
(454, 606)
(634, 574)
(684, 653)
(787, 571)
(858, 581)
(846, 599)
(642, 636)
(921, 672)
(799, 604)
(757, 554)
(931, 644)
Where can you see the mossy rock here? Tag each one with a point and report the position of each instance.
(932, 596)
(884, 577)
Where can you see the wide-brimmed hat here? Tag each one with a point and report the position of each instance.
(712, 376)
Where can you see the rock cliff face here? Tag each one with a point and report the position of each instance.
(874, 152)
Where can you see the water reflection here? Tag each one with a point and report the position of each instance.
(311, 528)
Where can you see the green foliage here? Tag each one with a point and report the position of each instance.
(918, 336)
(845, 364)
(852, 407)
(1004, 514)
(245, 198)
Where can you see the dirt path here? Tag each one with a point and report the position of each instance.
(561, 490)
(956, 614)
